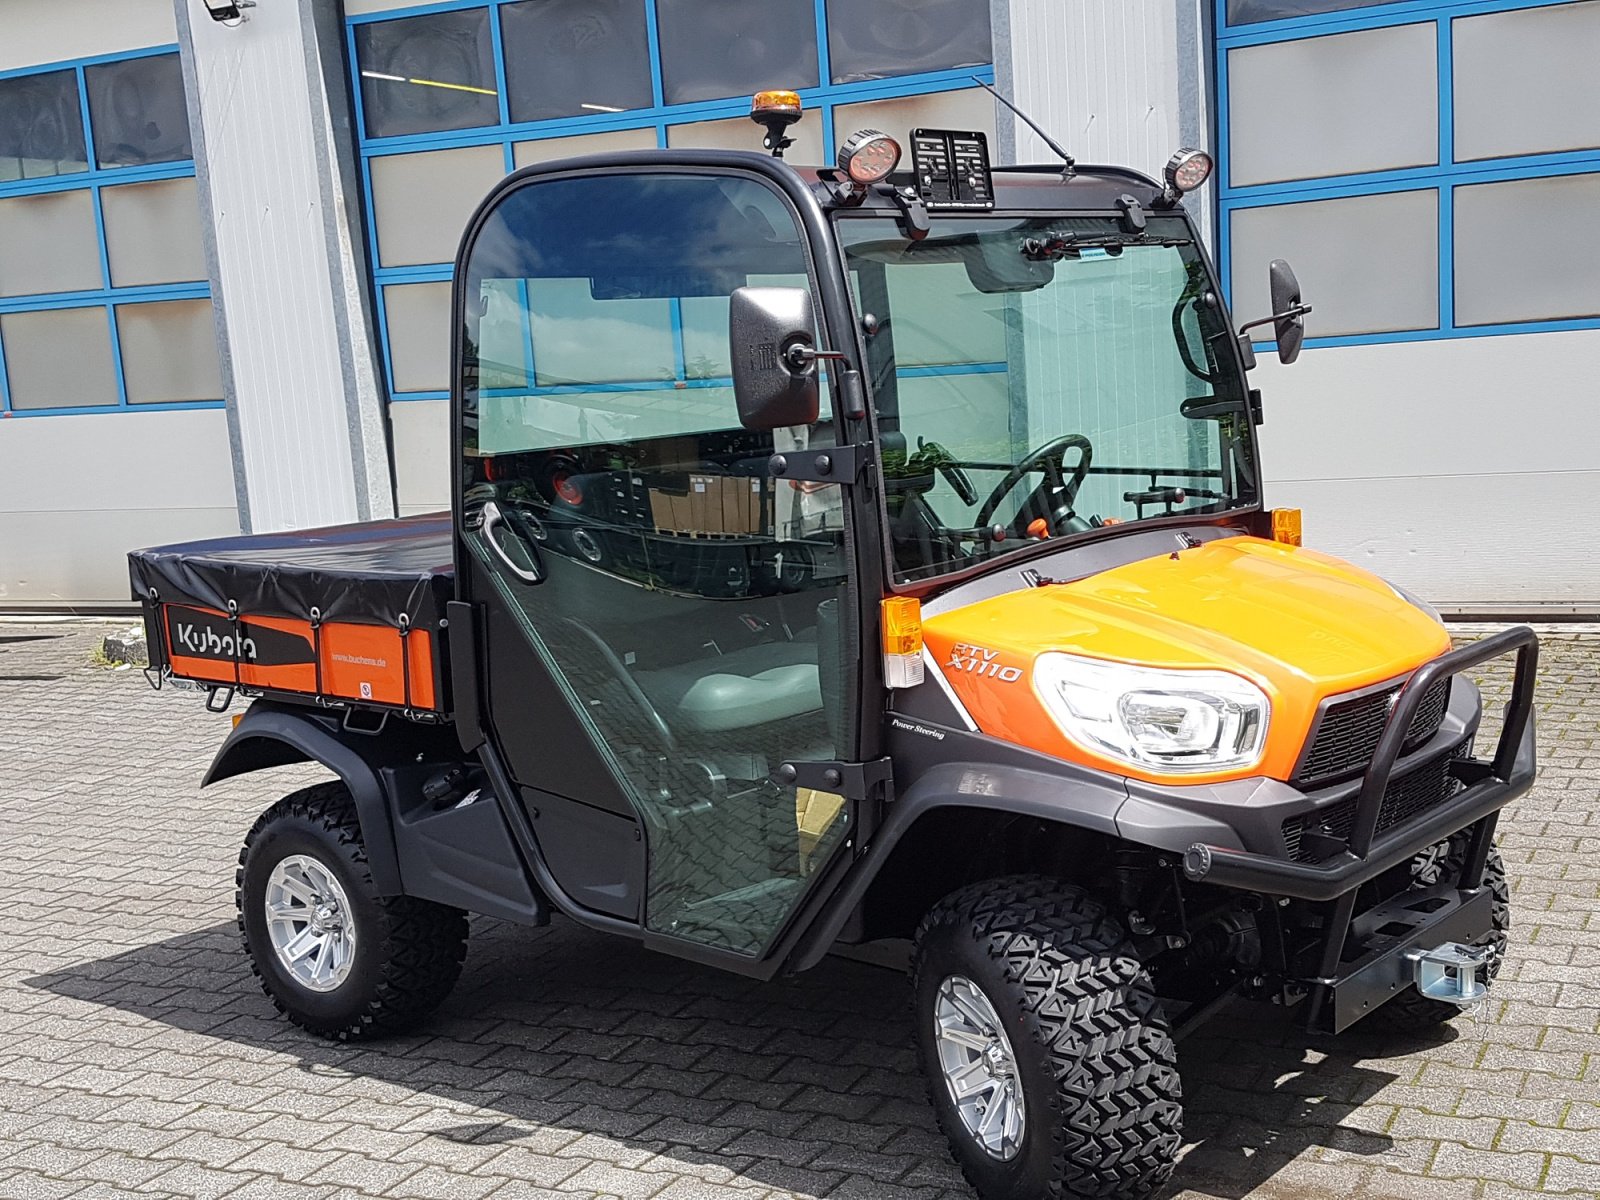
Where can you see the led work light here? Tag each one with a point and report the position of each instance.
(868, 155)
(1186, 170)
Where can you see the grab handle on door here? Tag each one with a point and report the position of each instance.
(493, 518)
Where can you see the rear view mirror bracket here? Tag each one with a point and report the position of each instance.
(1288, 312)
(1247, 351)
(833, 464)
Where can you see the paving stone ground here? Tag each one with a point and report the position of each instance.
(138, 1057)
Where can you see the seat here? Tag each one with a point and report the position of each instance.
(743, 688)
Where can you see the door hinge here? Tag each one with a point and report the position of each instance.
(852, 780)
(828, 464)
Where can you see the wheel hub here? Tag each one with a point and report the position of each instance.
(305, 909)
(979, 1067)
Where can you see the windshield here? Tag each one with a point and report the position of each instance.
(1044, 376)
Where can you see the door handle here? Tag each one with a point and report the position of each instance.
(493, 518)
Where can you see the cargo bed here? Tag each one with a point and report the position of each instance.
(345, 615)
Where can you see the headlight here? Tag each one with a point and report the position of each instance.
(1416, 601)
(1166, 721)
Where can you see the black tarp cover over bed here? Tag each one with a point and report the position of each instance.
(368, 573)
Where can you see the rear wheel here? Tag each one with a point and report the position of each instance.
(335, 957)
(1049, 1062)
(1411, 1011)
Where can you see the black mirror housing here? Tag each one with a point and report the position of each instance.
(772, 346)
(1289, 323)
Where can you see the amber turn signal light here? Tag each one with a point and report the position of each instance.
(902, 625)
(1286, 526)
(901, 619)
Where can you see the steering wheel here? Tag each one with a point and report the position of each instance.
(1052, 457)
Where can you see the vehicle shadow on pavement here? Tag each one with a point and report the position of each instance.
(1265, 1100)
(800, 1084)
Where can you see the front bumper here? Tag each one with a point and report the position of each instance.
(1488, 786)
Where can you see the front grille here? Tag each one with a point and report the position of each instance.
(1346, 735)
(1407, 796)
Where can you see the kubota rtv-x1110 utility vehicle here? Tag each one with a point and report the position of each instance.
(865, 553)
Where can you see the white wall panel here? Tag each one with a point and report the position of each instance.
(1516, 544)
(68, 544)
(45, 31)
(421, 430)
(1111, 82)
(307, 412)
(1462, 469)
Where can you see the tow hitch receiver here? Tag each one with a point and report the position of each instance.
(1451, 972)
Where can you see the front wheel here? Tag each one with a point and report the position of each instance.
(334, 956)
(1049, 1062)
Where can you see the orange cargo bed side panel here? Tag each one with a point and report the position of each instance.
(370, 663)
(272, 652)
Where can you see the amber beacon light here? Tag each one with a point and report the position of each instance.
(776, 110)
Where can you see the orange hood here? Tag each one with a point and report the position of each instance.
(1300, 625)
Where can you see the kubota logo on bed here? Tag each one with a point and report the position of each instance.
(197, 634)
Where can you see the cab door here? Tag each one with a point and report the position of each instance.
(664, 623)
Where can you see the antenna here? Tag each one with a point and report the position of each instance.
(1033, 125)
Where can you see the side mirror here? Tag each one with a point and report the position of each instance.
(1288, 313)
(1288, 319)
(773, 351)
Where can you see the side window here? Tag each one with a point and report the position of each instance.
(689, 602)
(598, 383)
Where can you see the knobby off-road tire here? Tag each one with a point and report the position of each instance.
(407, 953)
(1087, 1037)
(1411, 1011)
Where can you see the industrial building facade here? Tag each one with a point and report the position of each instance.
(225, 247)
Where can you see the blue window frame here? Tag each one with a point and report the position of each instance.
(657, 117)
(90, 177)
(1445, 176)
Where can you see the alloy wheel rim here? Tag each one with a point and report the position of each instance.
(309, 921)
(979, 1067)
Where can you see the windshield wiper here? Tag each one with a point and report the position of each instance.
(1055, 247)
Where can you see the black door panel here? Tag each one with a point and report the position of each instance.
(541, 740)
(596, 856)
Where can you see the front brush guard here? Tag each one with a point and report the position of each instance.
(1488, 786)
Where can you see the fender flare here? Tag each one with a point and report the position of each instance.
(1065, 794)
(1001, 788)
(274, 735)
